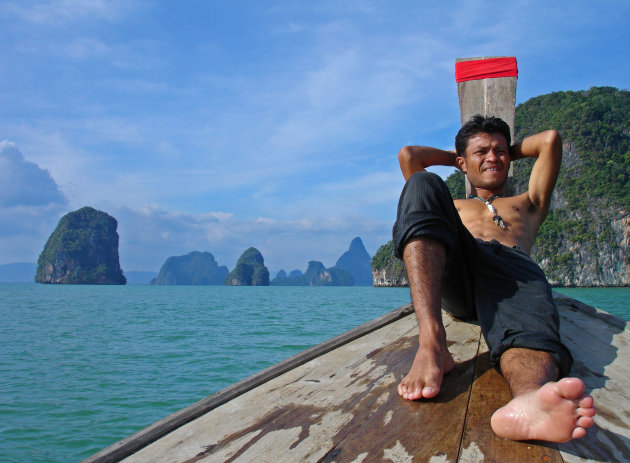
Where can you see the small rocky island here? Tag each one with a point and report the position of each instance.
(316, 275)
(195, 268)
(356, 261)
(83, 249)
(250, 270)
(352, 268)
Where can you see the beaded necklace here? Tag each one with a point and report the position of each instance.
(496, 218)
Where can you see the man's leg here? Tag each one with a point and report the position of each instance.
(425, 261)
(430, 238)
(542, 407)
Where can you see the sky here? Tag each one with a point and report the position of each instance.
(216, 126)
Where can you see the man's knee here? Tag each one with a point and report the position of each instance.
(425, 209)
(424, 191)
(424, 182)
(543, 346)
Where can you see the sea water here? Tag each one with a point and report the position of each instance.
(81, 367)
(613, 300)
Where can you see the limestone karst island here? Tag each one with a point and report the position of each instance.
(201, 268)
(83, 249)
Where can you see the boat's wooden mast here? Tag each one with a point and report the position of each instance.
(487, 91)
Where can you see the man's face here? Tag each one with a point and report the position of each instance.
(487, 160)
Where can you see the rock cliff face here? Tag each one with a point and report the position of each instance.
(383, 278)
(356, 261)
(195, 268)
(592, 262)
(83, 249)
(250, 270)
(386, 269)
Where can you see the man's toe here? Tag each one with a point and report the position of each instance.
(585, 422)
(586, 402)
(430, 392)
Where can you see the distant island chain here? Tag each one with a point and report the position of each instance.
(83, 249)
(583, 242)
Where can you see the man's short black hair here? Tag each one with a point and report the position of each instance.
(478, 124)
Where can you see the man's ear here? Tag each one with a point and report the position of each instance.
(460, 162)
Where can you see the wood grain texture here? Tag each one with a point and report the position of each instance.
(600, 345)
(402, 430)
(490, 392)
(488, 97)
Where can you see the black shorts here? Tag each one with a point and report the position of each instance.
(500, 286)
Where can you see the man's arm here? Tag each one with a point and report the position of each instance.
(414, 159)
(547, 148)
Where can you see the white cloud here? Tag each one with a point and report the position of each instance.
(24, 183)
(63, 12)
(31, 203)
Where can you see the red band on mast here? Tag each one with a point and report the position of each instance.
(489, 68)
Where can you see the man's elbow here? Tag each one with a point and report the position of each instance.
(404, 155)
(553, 139)
(405, 158)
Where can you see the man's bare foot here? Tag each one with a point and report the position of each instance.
(425, 376)
(557, 412)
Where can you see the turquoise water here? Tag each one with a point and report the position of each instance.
(613, 300)
(84, 366)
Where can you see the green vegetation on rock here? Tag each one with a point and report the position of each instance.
(582, 235)
(83, 249)
(250, 270)
(387, 270)
(595, 128)
(195, 268)
(456, 183)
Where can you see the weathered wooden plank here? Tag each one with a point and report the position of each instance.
(421, 431)
(488, 97)
(131, 444)
(316, 423)
(338, 410)
(305, 427)
(479, 443)
(262, 404)
(600, 344)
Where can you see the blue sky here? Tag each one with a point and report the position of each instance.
(215, 126)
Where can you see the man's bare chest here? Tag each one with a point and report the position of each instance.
(510, 221)
(496, 211)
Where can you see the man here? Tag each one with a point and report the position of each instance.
(471, 257)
